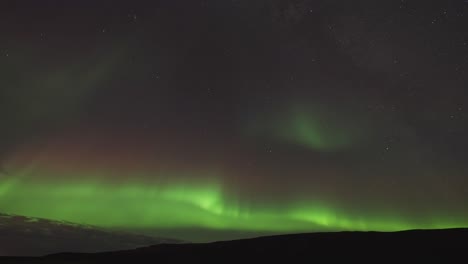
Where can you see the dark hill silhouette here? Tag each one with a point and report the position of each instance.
(28, 236)
(353, 247)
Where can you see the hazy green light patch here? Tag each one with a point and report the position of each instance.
(7, 184)
(313, 132)
(315, 127)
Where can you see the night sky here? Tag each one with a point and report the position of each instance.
(238, 116)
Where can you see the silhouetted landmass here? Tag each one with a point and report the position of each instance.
(352, 247)
(28, 236)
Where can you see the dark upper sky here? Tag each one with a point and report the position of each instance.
(362, 105)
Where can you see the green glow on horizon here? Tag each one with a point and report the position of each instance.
(179, 205)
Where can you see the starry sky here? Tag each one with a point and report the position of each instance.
(193, 117)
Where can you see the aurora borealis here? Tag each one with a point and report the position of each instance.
(273, 117)
(172, 206)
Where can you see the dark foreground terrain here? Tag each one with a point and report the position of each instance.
(29, 236)
(443, 246)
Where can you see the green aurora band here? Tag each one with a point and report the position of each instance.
(141, 205)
